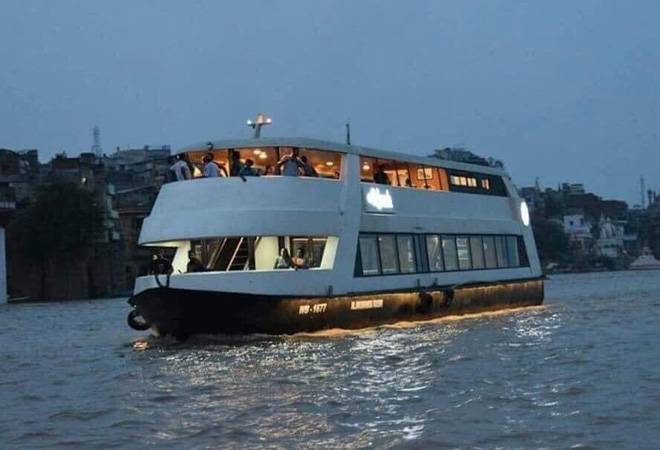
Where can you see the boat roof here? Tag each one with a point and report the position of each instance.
(343, 148)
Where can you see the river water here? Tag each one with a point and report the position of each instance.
(581, 371)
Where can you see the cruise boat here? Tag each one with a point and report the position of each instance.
(645, 261)
(375, 237)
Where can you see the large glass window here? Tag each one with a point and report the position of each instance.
(406, 249)
(388, 256)
(325, 164)
(400, 253)
(463, 252)
(310, 249)
(477, 249)
(512, 251)
(500, 248)
(489, 252)
(434, 251)
(449, 250)
(369, 255)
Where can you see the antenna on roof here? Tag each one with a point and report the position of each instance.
(259, 122)
(348, 133)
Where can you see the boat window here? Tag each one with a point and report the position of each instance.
(489, 252)
(512, 251)
(326, 164)
(311, 247)
(434, 251)
(449, 251)
(477, 252)
(405, 246)
(258, 252)
(388, 256)
(463, 252)
(264, 159)
(367, 169)
(500, 248)
(403, 175)
(432, 178)
(369, 255)
(420, 176)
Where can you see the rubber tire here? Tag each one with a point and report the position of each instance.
(133, 323)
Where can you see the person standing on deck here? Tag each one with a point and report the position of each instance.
(290, 164)
(180, 169)
(211, 168)
(307, 168)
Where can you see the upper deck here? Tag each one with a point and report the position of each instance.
(343, 184)
(280, 144)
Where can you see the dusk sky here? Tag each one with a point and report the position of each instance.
(562, 90)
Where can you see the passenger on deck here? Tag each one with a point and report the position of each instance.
(380, 176)
(284, 260)
(248, 170)
(180, 168)
(268, 170)
(307, 169)
(160, 265)
(194, 264)
(290, 164)
(211, 168)
(299, 261)
(235, 164)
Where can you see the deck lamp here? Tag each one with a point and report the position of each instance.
(259, 122)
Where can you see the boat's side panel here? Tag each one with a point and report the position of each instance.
(182, 312)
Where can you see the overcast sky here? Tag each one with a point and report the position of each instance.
(562, 90)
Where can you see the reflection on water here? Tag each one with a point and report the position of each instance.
(579, 371)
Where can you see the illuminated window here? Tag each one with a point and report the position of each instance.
(485, 183)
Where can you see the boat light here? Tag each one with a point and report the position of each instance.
(524, 213)
(365, 167)
(329, 163)
(263, 155)
(257, 151)
(380, 200)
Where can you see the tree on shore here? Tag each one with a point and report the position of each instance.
(551, 241)
(58, 226)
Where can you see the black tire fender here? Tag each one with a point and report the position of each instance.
(135, 323)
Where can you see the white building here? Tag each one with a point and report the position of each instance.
(578, 229)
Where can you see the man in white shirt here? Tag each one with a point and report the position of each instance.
(211, 169)
(181, 169)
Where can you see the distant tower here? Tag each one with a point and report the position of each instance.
(643, 190)
(96, 145)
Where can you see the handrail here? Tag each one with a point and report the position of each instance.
(216, 254)
(233, 257)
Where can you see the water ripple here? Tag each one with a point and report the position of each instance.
(575, 373)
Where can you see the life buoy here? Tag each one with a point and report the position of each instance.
(135, 323)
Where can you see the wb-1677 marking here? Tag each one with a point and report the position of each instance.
(313, 309)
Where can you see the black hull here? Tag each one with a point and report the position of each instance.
(184, 312)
